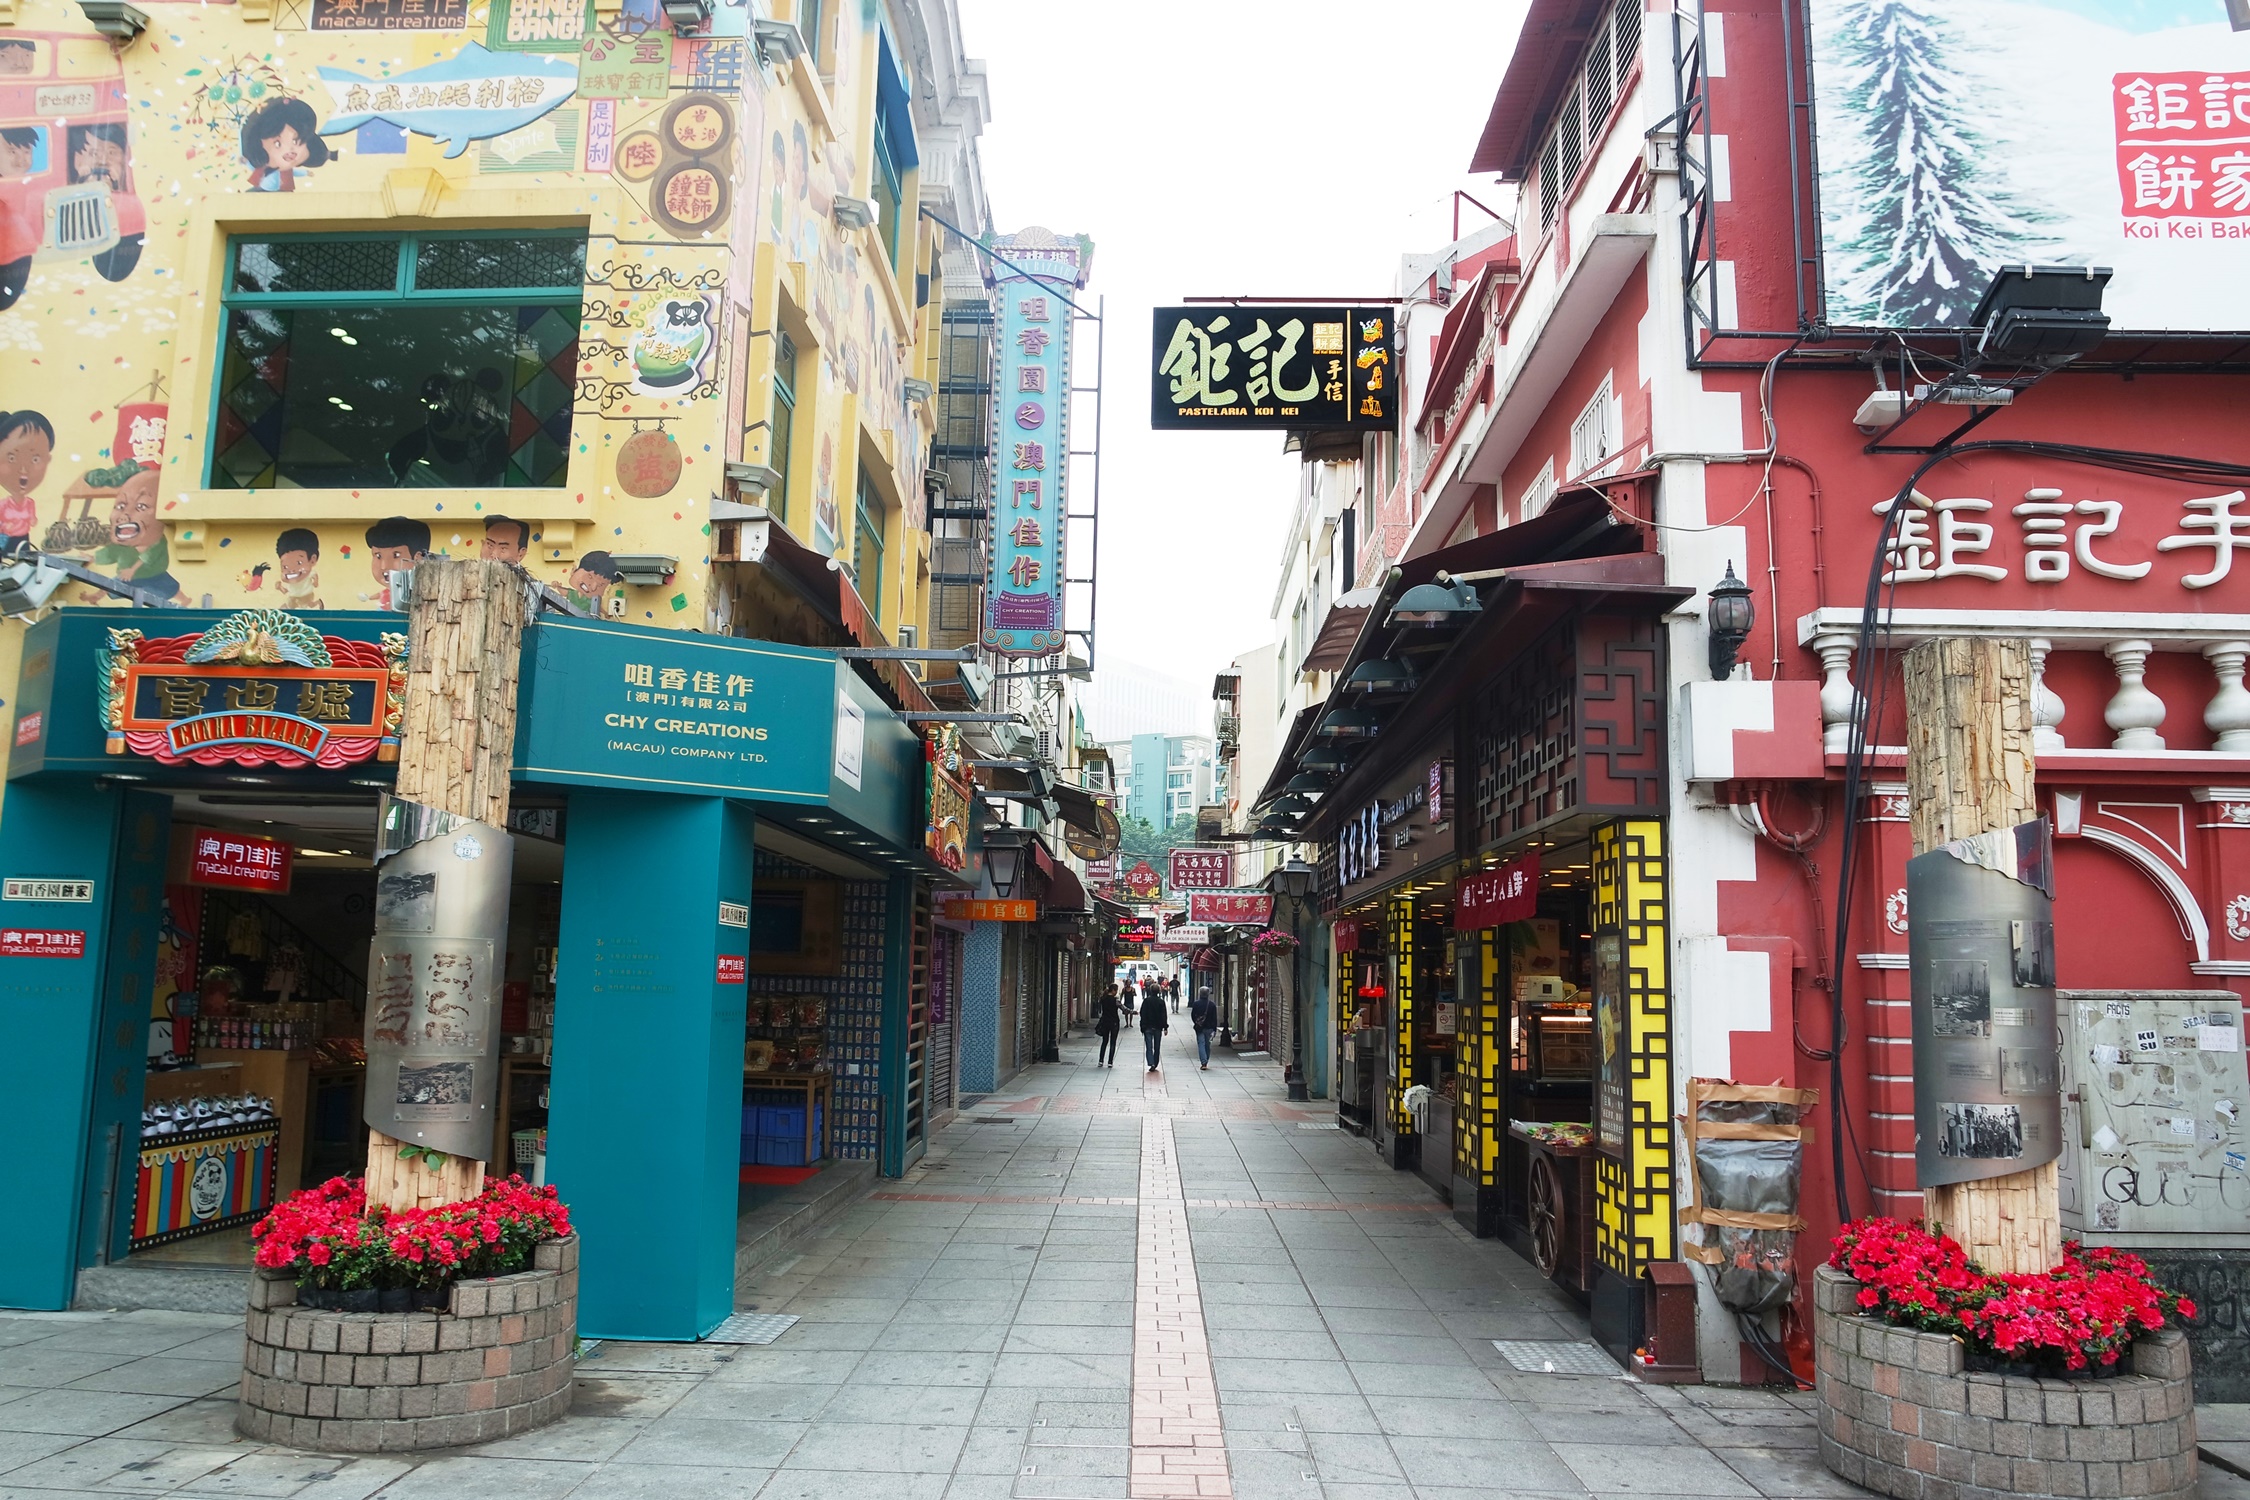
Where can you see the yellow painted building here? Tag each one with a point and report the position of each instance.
(293, 289)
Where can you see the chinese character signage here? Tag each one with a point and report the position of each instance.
(1201, 869)
(1031, 441)
(1136, 929)
(474, 95)
(970, 909)
(1142, 883)
(1491, 898)
(1302, 368)
(389, 15)
(259, 688)
(242, 861)
(1237, 908)
(36, 888)
(946, 838)
(2077, 536)
(41, 942)
(2107, 132)
(1186, 935)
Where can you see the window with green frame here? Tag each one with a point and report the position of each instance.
(398, 360)
(783, 419)
(887, 185)
(867, 546)
(808, 27)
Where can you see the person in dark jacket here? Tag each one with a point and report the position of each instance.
(1106, 1020)
(1175, 989)
(1155, 1021)
(1205, 1015)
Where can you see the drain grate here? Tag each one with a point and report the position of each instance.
(1318, 1125)
(751, 1328)
(994, 1120)
(1556, 1357)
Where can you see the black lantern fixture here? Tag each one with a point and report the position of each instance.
(1729, 620)
(1003, 859)
(1294, 880)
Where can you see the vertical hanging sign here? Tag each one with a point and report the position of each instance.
(1032, 293)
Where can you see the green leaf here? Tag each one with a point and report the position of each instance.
(408, 1153)
(434, 1160)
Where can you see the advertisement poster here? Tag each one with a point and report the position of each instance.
(1957, 136)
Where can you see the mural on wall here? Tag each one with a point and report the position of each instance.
(471, 96)
(67, 181)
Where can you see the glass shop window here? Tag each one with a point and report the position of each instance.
(399, 361)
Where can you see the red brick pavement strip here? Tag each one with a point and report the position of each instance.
(1179, 1444)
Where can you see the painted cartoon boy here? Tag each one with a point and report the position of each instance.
(298, 552)
(136, 547)
(394, 545)
(27, 444)
(18, 57)
(592, 580)
(97, 154)
(19, 148)
(506, 540)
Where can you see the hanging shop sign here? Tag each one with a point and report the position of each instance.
(1492, 898)
(1439, 798)
(1980, 941)
(1237, 908)
(1201, 869)
(1031, 427)
(2145, 109)
(973, 909)
(1136, 929)
(241, 861)
(1184, 936)
(1304, 368)
(946, 835)
(1347, 935)
(1142, 883)
(258, 688)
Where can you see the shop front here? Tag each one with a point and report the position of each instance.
(1493, 861)
(715, 959)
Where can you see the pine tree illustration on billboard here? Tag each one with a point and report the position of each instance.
(1032, 292)
(1958, 136)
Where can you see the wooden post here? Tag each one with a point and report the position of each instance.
(1969, 770)
(456, 752)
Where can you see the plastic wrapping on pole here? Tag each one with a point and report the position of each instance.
(441, 923)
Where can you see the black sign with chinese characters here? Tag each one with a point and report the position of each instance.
(1258, 366)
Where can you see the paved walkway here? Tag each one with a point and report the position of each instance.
(1097, 1285)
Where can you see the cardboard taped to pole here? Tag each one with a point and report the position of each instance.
(441, 920)
(1981, 955)
(1745, 1163)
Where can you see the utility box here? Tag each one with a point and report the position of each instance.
(2156, 1150)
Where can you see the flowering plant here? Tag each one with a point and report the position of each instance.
(1273, 941)
(334, 1241)
(2080, 1316)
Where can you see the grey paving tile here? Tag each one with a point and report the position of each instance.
(1056, 1371)
(923, 1368)
(1383, 1378)
(713, 1441)
(2221, 1421)
(120, 1465)
(1286, 1317)
(488, 1479)
(778, 1364)
(1477, 1463)
(879, 1448)
(837, 1484)
(1682, 1469)
(277, 1475)
(941, 1338)
(628, 1396)
(756, 1401)
(1398, 1322)
(81, 1413)
(1401, 1349)
(1354, 1457)
(1295, 1376)
(992, 1450)
(138, 1333)
(953, 1405)
(157, 1375)
(626, 1481)
(44, 1366)
(1071, 1338)
(208, 1423)
(1643, 1427)
(1787, 1473)
(834, 1336)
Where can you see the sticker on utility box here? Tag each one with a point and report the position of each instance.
(733, 969)
(733, 914)
(44, 888)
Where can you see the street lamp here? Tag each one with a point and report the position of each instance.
(1294, 879)
(1003, 859)
(1729, 621)
(1435, 606)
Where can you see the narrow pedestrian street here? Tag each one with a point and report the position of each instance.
(1100, 1283)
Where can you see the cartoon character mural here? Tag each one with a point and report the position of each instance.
(592, 580)
(506, 540)
(66, 174)
(137, 551)
(27, 445)
(298, 552)
(281, 144)
(394, 545)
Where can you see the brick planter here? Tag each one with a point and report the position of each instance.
(498, 1362)
(1899, 1415)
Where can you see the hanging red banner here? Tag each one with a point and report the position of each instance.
(1490, 898)
(1347, 935)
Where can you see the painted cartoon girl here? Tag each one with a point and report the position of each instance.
(282, 143)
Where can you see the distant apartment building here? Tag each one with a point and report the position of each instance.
(1162, 777)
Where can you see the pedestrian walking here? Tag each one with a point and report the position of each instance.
(1175, 994)
(1154, 1023)
(1205, 1015)
(1106, 1020)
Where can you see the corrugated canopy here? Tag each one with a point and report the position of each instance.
(1554, 33)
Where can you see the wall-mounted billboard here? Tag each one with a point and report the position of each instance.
(1957, 136)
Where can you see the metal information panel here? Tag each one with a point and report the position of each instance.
(441, 922)
(2156, 1150)
(1981, 946)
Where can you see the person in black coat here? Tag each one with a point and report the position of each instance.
(1205, 1015)
(1107, 1019)
(1155, 1021)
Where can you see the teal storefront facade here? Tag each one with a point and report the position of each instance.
(663, 771)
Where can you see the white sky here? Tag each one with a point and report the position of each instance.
(1289, 148)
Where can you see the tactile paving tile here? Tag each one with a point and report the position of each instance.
(1556, 1357)
(751, 1328)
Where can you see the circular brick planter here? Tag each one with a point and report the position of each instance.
(497, 1362)
(1899, 1415)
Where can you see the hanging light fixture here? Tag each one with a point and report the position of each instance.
(1382, 676)
(1436, 605)
(1731, 614)
(1350, 724)
(1325, 758)
(1294, 879)
(1307, 784)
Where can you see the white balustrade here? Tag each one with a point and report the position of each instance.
(2046, 704)
(2227, 715)
(2133, 711)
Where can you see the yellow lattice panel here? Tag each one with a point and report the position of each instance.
(1634, 1195)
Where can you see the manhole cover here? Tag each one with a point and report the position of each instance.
(751, 1328)
(1556, 1357)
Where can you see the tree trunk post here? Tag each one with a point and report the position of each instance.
(456, 753)
(1969, 770)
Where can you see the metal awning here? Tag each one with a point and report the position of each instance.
(1347, 614)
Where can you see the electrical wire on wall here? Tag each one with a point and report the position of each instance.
(1874, 622)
